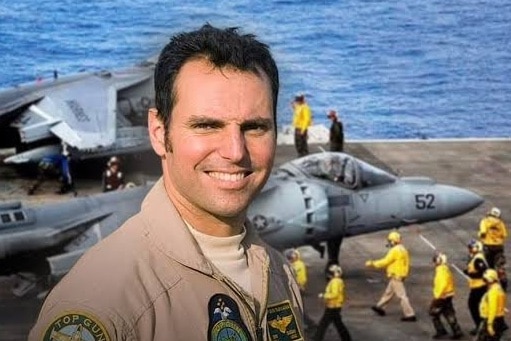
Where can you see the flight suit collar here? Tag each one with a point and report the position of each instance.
(168, 232)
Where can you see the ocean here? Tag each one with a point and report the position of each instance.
(393, 70)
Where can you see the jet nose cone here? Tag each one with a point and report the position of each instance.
(460, 200)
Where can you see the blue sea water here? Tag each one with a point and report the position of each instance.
(405, 69)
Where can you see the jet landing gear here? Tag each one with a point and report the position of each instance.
(333, 248)
(333, 251)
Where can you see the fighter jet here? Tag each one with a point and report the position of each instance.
(96, 114)
(322, 197)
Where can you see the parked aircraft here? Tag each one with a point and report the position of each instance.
(96, 114)
(310, 200)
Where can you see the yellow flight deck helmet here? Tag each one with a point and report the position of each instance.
(490, 275)
(495, 211)
(394, 237)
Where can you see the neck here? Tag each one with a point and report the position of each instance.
(206, 222)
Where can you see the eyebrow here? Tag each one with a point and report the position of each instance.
(220, 123)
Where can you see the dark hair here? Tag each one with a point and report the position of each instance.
(220, 47)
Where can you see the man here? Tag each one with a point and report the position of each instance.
(333, 298)
(189, 266)
(55, 165)
(336, 132)
(300, 271)
(113, 177)
(441, 305)
(492, 309)
(397, 265)
(475, 269)
(302, 120)
(493, 234)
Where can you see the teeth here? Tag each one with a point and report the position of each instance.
(227, 176)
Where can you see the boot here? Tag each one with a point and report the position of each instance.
(439, 334)
(439, 327)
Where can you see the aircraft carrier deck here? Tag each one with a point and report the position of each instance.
(483, 166)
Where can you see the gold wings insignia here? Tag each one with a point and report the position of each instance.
(281, 323)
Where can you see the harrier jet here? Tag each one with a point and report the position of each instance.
(96, 114)
(319, 198)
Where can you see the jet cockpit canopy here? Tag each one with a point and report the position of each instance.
(340, 168)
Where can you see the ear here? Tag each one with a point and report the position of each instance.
(156, 132)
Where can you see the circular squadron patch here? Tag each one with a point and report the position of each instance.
(225, 321)
(76, 326)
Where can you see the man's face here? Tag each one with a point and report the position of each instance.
(221, 140)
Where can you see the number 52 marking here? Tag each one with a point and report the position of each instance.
(425, 201)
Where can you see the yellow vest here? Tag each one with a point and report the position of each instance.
(396, 262)
(493, 303)
(475, 282)
(492, 231)
(334, 293)
(443, 284)
(300, 271)
(302, 117)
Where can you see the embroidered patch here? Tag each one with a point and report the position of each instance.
(76, 326)
(282, 323)
(225, 321)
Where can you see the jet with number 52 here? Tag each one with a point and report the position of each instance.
(96, 114)
(329, 196)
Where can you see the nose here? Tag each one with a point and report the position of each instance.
(233, 145)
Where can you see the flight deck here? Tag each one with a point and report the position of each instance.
(482, 166)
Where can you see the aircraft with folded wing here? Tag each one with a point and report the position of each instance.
(318, 198)
(96, 114)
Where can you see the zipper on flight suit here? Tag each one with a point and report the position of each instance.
(258, 332)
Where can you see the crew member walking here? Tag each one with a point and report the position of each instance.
(397, 265)
(302, 120)
(300, 271)
(334, 298)
(475, 269)
(492, 309)
(493, 234)
(443, 293)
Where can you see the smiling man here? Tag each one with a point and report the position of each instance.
(189, 266)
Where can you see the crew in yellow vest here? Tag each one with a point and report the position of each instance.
(302, 120)
(333, 298)
(475, 269)
(493, 234)
(300, 272)
(492, 309)
(397, 265)
(443, 293)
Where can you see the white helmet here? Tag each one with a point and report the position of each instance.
(114, 160)
(335, 269)
(495, 211)
(440, 258)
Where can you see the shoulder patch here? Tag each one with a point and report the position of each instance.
(76, 326)
(282, 323)
(225, 321)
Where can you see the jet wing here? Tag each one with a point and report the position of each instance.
(87, 113)
(81, 113)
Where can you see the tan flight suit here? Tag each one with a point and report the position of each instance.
(149, 281)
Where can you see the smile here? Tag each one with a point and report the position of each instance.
(227, 176)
